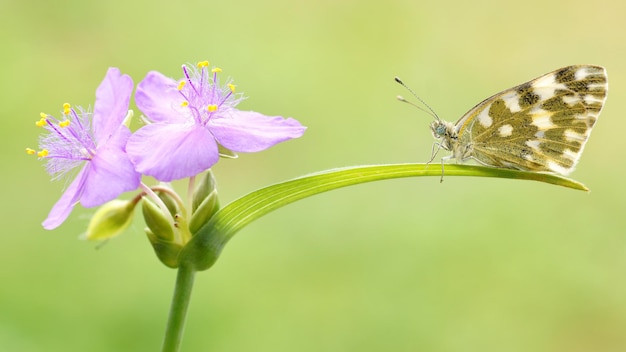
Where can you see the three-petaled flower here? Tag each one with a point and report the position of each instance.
(96, 141)
(189, 121)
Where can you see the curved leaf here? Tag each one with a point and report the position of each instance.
(206, 245)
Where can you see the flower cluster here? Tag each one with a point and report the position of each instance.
(189, 124)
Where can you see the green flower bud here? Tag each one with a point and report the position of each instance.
(204, 212)
(205, 202)
(204, 188)
(157, 222)
(110, 220)
(167, 199)
(166, 251)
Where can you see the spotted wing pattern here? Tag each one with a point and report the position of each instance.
(541, 125)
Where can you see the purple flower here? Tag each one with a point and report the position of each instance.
(94, 141)
(190, 120)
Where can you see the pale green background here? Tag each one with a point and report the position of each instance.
(404, 265)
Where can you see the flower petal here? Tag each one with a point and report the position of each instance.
(172, 151)
(111, 107)
(249, 131)
(159, 99)
(111, 172)
(63, 207)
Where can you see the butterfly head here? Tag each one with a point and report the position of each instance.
(444, 131)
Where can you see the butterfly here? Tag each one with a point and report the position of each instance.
(541, 125)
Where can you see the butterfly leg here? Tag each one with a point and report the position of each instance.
(434, 151)
(443, 160)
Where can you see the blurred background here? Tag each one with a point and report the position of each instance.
(403, 265)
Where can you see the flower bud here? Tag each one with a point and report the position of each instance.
(166, 251)
(157, 222)
(205, 202)
(204, 212)
(206, 186)
(167, 199)
(110, 220)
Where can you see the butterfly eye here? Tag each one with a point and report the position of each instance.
(440, 130)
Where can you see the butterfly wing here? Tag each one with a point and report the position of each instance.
(541, 125)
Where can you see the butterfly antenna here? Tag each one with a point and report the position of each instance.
(430, 111)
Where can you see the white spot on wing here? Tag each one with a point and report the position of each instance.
(573, 136)
(511, 101)
(570, 155)
(593, 86)
(582, 73)
(484, 119)
(558, 168)
(538, 113)
(505, 130)
(533, 144)
(589, 99)
(543, 122)
(545, 87)
(571, 99)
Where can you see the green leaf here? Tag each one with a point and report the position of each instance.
(206, 245)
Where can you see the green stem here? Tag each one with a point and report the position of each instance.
(178, 309)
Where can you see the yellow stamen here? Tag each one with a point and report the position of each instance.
(212, 108)
(202, 64)
(43, 115)
(216, 70)
(184, 103)
(181, 85)
(42, 153)
(64, 123)
(30, 151)
(42, 122)
(232, 87)
(67, 108)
